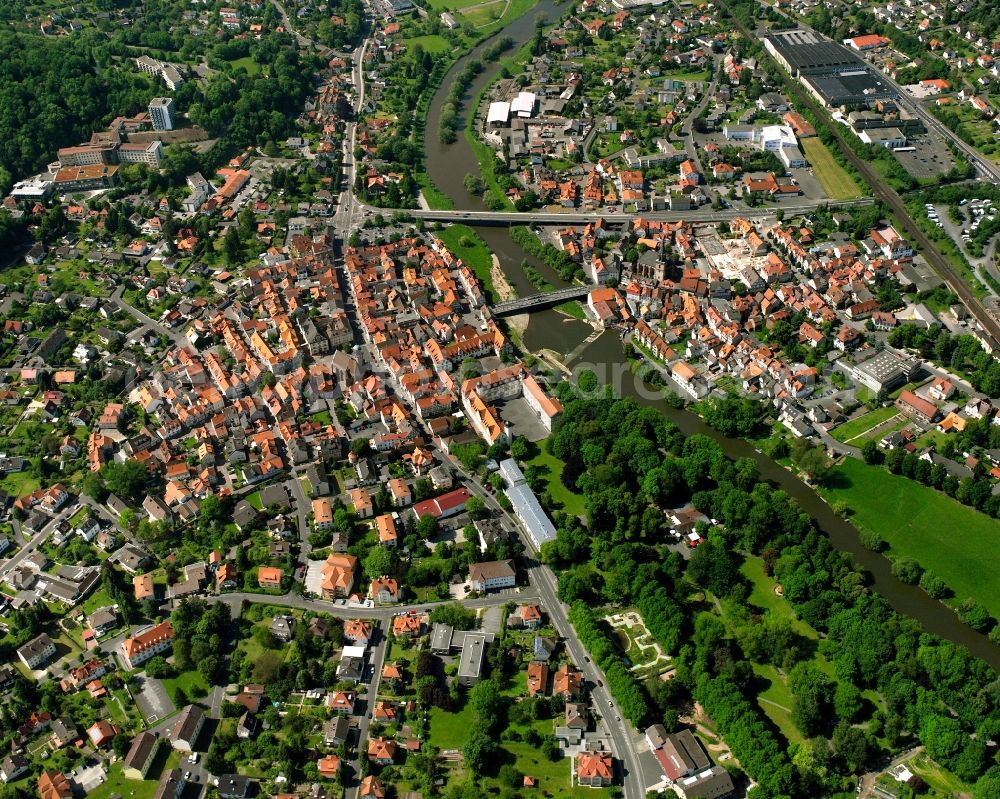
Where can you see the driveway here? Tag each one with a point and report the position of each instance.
(152, 699)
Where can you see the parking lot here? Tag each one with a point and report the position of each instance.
(152, 699)
(929, 158)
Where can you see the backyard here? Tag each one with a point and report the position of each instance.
(952, 540)
(850, 431)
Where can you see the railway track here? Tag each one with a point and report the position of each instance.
(881, 191)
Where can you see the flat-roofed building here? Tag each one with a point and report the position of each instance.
(470, 664)
(161, 113)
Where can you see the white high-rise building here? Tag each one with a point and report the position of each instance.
(161, 112)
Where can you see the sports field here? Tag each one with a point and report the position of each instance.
(837, 184)
(955, 542)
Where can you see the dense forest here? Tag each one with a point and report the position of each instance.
(630, 464)
(54, 93)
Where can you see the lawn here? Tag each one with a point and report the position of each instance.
(776, 702)
(553, 775)
(572, 308)
(432, 43)
(572, 503)
(116, 783)
(449, 730)
(19, 483)
(944, 782)
(482, 16)
(451, 5)
(323, 417)
(193, 684)
(954, 541)
(836, 182)
(99, 599)
(254, 499)
(856, 427)
(251, 66)
(465, 243)
(762, 595)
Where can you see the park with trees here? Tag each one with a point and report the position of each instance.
(863, 680)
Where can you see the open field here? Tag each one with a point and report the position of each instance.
(432, 43)
(837, 184)
(954, 541)
(483, 15)
(451, 5)
(18, 484)
(856, 427)
(449, 730)
(247, 63)
(572, 503)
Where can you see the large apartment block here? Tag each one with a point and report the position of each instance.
(144, 645)
(37, 651)
(161, 112)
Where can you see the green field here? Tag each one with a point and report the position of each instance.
(117, 784)
(18, 484)
(451, 5)
(955, 542)
(482, 16)
(776, 699)
(465, 243)
(432, 43)
(836, 182)
(572, 308)
(855, 427)
(247, 63)
(572, 503)
(449, 730)
(193, 684)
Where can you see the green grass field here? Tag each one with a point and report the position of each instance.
(572, 503)
(954, 541)
(19, 483)
(247, 63)
(855, 427)
(449, 730)
(572, 308)
(836, 182)
(191, 682)
(483, 15)
(464, 242)
(432, 43)
(451, 5)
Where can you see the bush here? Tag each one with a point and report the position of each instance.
(907, 570)
(873, 541)
(975, 615)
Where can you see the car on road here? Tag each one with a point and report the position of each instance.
(610, 703)
(187, 775)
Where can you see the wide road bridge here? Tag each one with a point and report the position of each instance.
(704, 214)
(544, 300)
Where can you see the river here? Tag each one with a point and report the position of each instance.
(447, 166)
